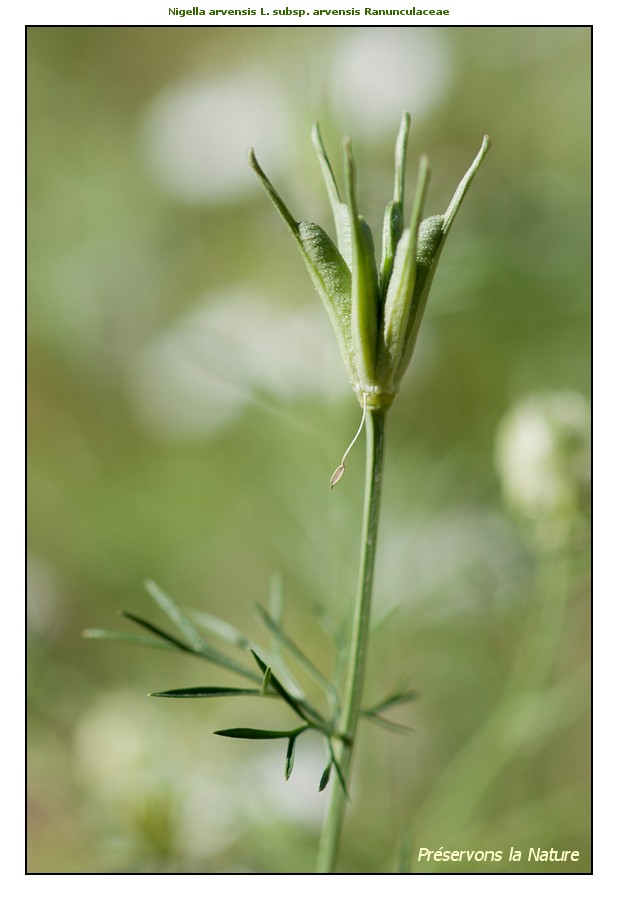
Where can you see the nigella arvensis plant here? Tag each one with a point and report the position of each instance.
(376, 313)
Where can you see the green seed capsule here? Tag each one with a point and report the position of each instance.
(375, 314)
(430, 236)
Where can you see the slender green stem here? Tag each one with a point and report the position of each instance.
(333, 824)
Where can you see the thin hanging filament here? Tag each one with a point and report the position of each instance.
(338, 473)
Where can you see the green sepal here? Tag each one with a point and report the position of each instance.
(393, 216)
(332, 280)
(431, 238)
(372, 277)
(327, 268)
(366, 308)
(341, 213)
(464, 184)
(399, 299)
(401, 148)
(392, 230)
(365, 289)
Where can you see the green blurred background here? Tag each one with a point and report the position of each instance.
(187, 407)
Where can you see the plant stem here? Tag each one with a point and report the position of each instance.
(333, 824)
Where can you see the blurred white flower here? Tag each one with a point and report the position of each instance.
(378, 72)
(130, 755)
(543, 455)
(234, 347)
(196, 134)
(111, 740)
(451, 554)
